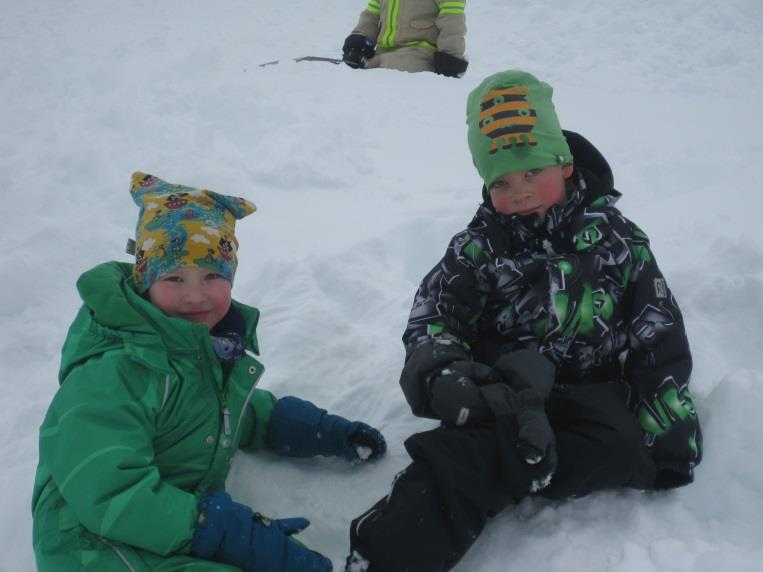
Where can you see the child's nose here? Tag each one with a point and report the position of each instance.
(193, 294)
(523, 194)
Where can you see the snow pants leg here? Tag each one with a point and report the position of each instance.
(437, 506)
(598, 440)
(460, 477)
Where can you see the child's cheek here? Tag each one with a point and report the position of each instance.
(551, 194)
(502, 204)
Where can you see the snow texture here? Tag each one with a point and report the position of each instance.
(361, 178)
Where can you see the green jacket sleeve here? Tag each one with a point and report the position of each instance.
(96, 442)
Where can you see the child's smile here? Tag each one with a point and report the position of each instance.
(196, 294)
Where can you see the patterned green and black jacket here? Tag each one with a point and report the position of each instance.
(582, 287)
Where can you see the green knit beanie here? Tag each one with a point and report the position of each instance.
(513, 126)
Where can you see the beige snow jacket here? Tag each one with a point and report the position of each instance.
(435, 24)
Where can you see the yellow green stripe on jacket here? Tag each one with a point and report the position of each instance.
(373, 7)
(451, 7)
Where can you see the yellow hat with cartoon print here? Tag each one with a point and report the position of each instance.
(182, 227)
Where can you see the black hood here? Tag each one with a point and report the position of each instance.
(589, 159)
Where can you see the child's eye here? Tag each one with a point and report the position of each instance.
(532, 173)
(499, 185)
(212, 276)
(175, 279)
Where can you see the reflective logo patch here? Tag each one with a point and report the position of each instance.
(660, 288)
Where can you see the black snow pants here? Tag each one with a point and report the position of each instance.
(461, 476)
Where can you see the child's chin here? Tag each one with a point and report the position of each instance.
(525, 214)
(198, 320)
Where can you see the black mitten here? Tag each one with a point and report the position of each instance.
(422, 367)
(357, 50)
(518, 404)
(455, 397)
(447, 65)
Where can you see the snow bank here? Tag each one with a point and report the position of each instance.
(361, 178)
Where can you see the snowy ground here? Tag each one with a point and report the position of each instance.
(361, 178)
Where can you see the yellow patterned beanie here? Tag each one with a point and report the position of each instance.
(181, 226)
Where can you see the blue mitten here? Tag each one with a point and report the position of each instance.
(363, 442)
(300, 429)
(231, 533)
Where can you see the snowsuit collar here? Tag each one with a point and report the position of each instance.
(531, 224)
(228, 336)
(580, 194)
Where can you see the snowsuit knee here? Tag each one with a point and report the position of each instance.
(461, 477)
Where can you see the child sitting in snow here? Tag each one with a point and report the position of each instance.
(157, 393)
(546, 341)
(409, 35)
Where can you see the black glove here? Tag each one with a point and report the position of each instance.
(422, 367)
(672, 433)
(518, 406)
(455, 397)
(357, 50)
(447, 65)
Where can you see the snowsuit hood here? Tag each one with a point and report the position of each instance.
(115, 316)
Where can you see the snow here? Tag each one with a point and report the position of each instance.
(361, 178)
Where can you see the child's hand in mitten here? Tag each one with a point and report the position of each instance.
(363, 443)
(231, 533)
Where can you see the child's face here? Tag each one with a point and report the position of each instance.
(196, 294)
(530, 192)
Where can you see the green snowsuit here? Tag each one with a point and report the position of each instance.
(145, 422)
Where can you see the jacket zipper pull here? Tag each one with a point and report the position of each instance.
(226, 420)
